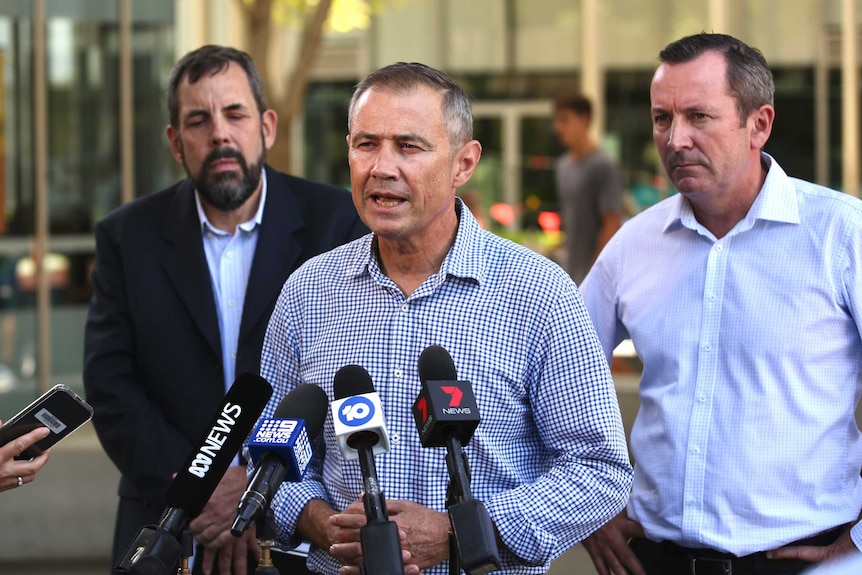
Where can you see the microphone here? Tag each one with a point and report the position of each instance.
(280, 448)
(446, 415)
(360, 429)
(156, 550)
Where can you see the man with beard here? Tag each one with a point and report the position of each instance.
(183, 287)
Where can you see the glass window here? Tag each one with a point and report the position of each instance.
(82, 95)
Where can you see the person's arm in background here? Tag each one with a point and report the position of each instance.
(11, 471)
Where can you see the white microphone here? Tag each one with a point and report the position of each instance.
(357, 415)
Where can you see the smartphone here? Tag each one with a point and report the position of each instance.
(59, 409)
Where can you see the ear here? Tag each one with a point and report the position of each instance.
(269, 125)
(176, 145)
(464, 162)
(761, 126)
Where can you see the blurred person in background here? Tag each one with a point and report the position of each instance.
(589, 186)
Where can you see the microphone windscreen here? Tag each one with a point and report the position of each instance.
(221, 441)
(435, 364)
(351, 380)
(307, 402)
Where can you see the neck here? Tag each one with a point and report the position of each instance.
(409, 262)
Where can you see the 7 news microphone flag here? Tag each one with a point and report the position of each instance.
(446, 415)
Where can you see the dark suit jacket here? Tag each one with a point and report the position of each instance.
(152, 353)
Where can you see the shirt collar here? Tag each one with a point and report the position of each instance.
(247, 226)
(776, 201)
(465, 257)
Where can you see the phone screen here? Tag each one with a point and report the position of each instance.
(60, 409)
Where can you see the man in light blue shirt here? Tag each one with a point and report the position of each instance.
(742, 296)
(548, 460)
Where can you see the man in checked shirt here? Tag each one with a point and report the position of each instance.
(549, 459)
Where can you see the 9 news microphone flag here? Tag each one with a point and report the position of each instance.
(156, 550)
(280, 449)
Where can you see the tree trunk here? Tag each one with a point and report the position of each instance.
(290, 107)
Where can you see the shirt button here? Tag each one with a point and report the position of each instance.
(393, 438)
(404, 307)
(719, 247)
(398, 373)
(231, 303)
(696, 449)
(707, 347)
(701, 399)
(228, 254)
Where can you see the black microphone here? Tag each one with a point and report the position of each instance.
(360, 429)
(157, 550)
(446, 414)
(280, 448)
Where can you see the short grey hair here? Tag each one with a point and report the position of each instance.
(404, 77)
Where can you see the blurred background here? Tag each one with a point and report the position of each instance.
(82, 118)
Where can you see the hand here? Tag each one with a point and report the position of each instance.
(339, 534)
(11, 470)
(212, 527)
(609, 547)
(426, 532)
(812, 554)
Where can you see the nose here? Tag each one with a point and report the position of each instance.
(385, 163)
(220, 134)
(679, 136)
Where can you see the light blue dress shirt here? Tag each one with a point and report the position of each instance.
(746, 438)
(229, 258)
(548, 459)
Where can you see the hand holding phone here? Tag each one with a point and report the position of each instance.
(59, 409)
(15, 473)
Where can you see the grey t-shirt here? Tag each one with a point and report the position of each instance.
(587, 188)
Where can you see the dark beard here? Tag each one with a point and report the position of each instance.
(226, 191)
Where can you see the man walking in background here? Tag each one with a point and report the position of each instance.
(589, 186)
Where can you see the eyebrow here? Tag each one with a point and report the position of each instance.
(408, 137)
(205, 112)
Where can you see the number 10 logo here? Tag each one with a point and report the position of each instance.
(356, 411)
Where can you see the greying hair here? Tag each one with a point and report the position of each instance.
(404, 77)
(211, 59)
(748, 76)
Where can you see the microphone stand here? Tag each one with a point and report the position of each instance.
(265, 525)
(475, 545)
(378, 535)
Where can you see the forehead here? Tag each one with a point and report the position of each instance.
(702, 80)
(226, 87)
(387, 112)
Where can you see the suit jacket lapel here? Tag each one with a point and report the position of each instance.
(276, 254)
(185, 263)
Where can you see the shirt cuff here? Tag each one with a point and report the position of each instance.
(526, 543)
(856, 535)
(287, 506)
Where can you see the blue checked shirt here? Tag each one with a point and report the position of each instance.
(549, 458)
(746, 438)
